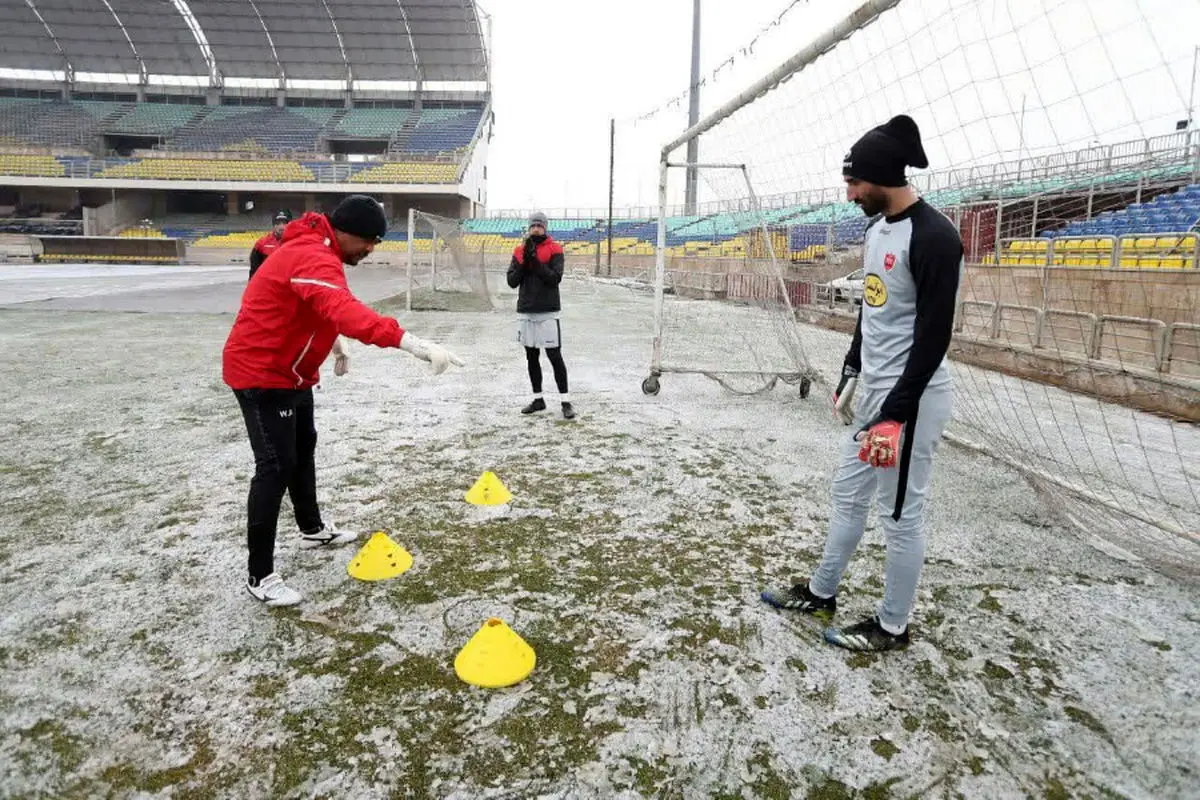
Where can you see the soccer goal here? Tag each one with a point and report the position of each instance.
(1064, 144)
(749, 341)
(444, 272)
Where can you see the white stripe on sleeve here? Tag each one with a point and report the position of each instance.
(316, 282)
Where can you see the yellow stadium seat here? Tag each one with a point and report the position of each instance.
(1143, 243)
(211, 170)
(394, 172)
(31, 166)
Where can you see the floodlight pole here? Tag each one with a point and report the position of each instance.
(693, 145)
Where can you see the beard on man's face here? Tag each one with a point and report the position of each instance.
(872, 203)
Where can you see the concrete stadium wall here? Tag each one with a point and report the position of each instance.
(119, 212)
(50, 199)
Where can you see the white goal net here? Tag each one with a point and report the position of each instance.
(1063, 143)
(445, 273)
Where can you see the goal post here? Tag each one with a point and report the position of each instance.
(762, 361)
(787, 364)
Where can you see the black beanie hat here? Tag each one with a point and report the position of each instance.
(882, 153)
(360, 216)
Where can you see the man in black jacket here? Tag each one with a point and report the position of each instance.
(269, 243)
(536, 271)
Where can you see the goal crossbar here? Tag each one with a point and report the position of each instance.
(862, 16)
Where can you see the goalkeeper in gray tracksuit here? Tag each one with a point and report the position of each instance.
(912, 260)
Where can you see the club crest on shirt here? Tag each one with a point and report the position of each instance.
(874, 291)
(889, 261)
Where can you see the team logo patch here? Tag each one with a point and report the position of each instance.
(889, 261)
(874, 291)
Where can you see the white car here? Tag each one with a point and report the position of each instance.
(848, 288)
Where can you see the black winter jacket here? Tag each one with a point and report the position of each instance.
(537, 268)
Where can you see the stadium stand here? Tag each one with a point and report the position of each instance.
(268, 81)
(270, 130)
(375, 122)
(267, 133)
(1166, 213)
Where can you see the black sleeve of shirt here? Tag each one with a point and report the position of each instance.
(256, 260)
(552, 272)
(514, 273)
(934, 259)
(854, 354)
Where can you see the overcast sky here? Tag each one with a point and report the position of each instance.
(986, 79)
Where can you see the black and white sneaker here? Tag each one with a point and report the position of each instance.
(799, 598)
(272, 591)
(867, 636)
(327, 536)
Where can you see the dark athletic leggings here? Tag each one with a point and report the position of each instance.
(532, 357)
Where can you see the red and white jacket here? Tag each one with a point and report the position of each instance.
(294, 309)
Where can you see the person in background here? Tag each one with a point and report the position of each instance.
(271, 242)
(536, 270)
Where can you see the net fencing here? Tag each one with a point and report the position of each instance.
(1060, 146)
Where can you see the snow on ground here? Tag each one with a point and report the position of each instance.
(134, 664)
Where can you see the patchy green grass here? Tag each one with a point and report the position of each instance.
(630, 560)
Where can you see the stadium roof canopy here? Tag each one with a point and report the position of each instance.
(291, 44)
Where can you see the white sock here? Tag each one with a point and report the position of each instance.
(565, 397)
(892, 629)
(814, 594)
(537, 395)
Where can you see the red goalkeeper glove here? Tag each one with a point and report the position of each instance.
(880, 444)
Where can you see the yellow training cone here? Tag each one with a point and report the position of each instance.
(379, 559)
(496, 656)
(488, 491)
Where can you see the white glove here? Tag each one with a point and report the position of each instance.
(843, 397)
(341, 359)
(438, 357)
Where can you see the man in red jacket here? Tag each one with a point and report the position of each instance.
(291, 314)
(269, 243)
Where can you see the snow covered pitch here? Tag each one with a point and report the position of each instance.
(132, 662)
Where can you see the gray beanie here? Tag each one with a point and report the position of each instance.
(538, 218)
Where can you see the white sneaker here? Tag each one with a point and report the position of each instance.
(329, 536)
(274, 592)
